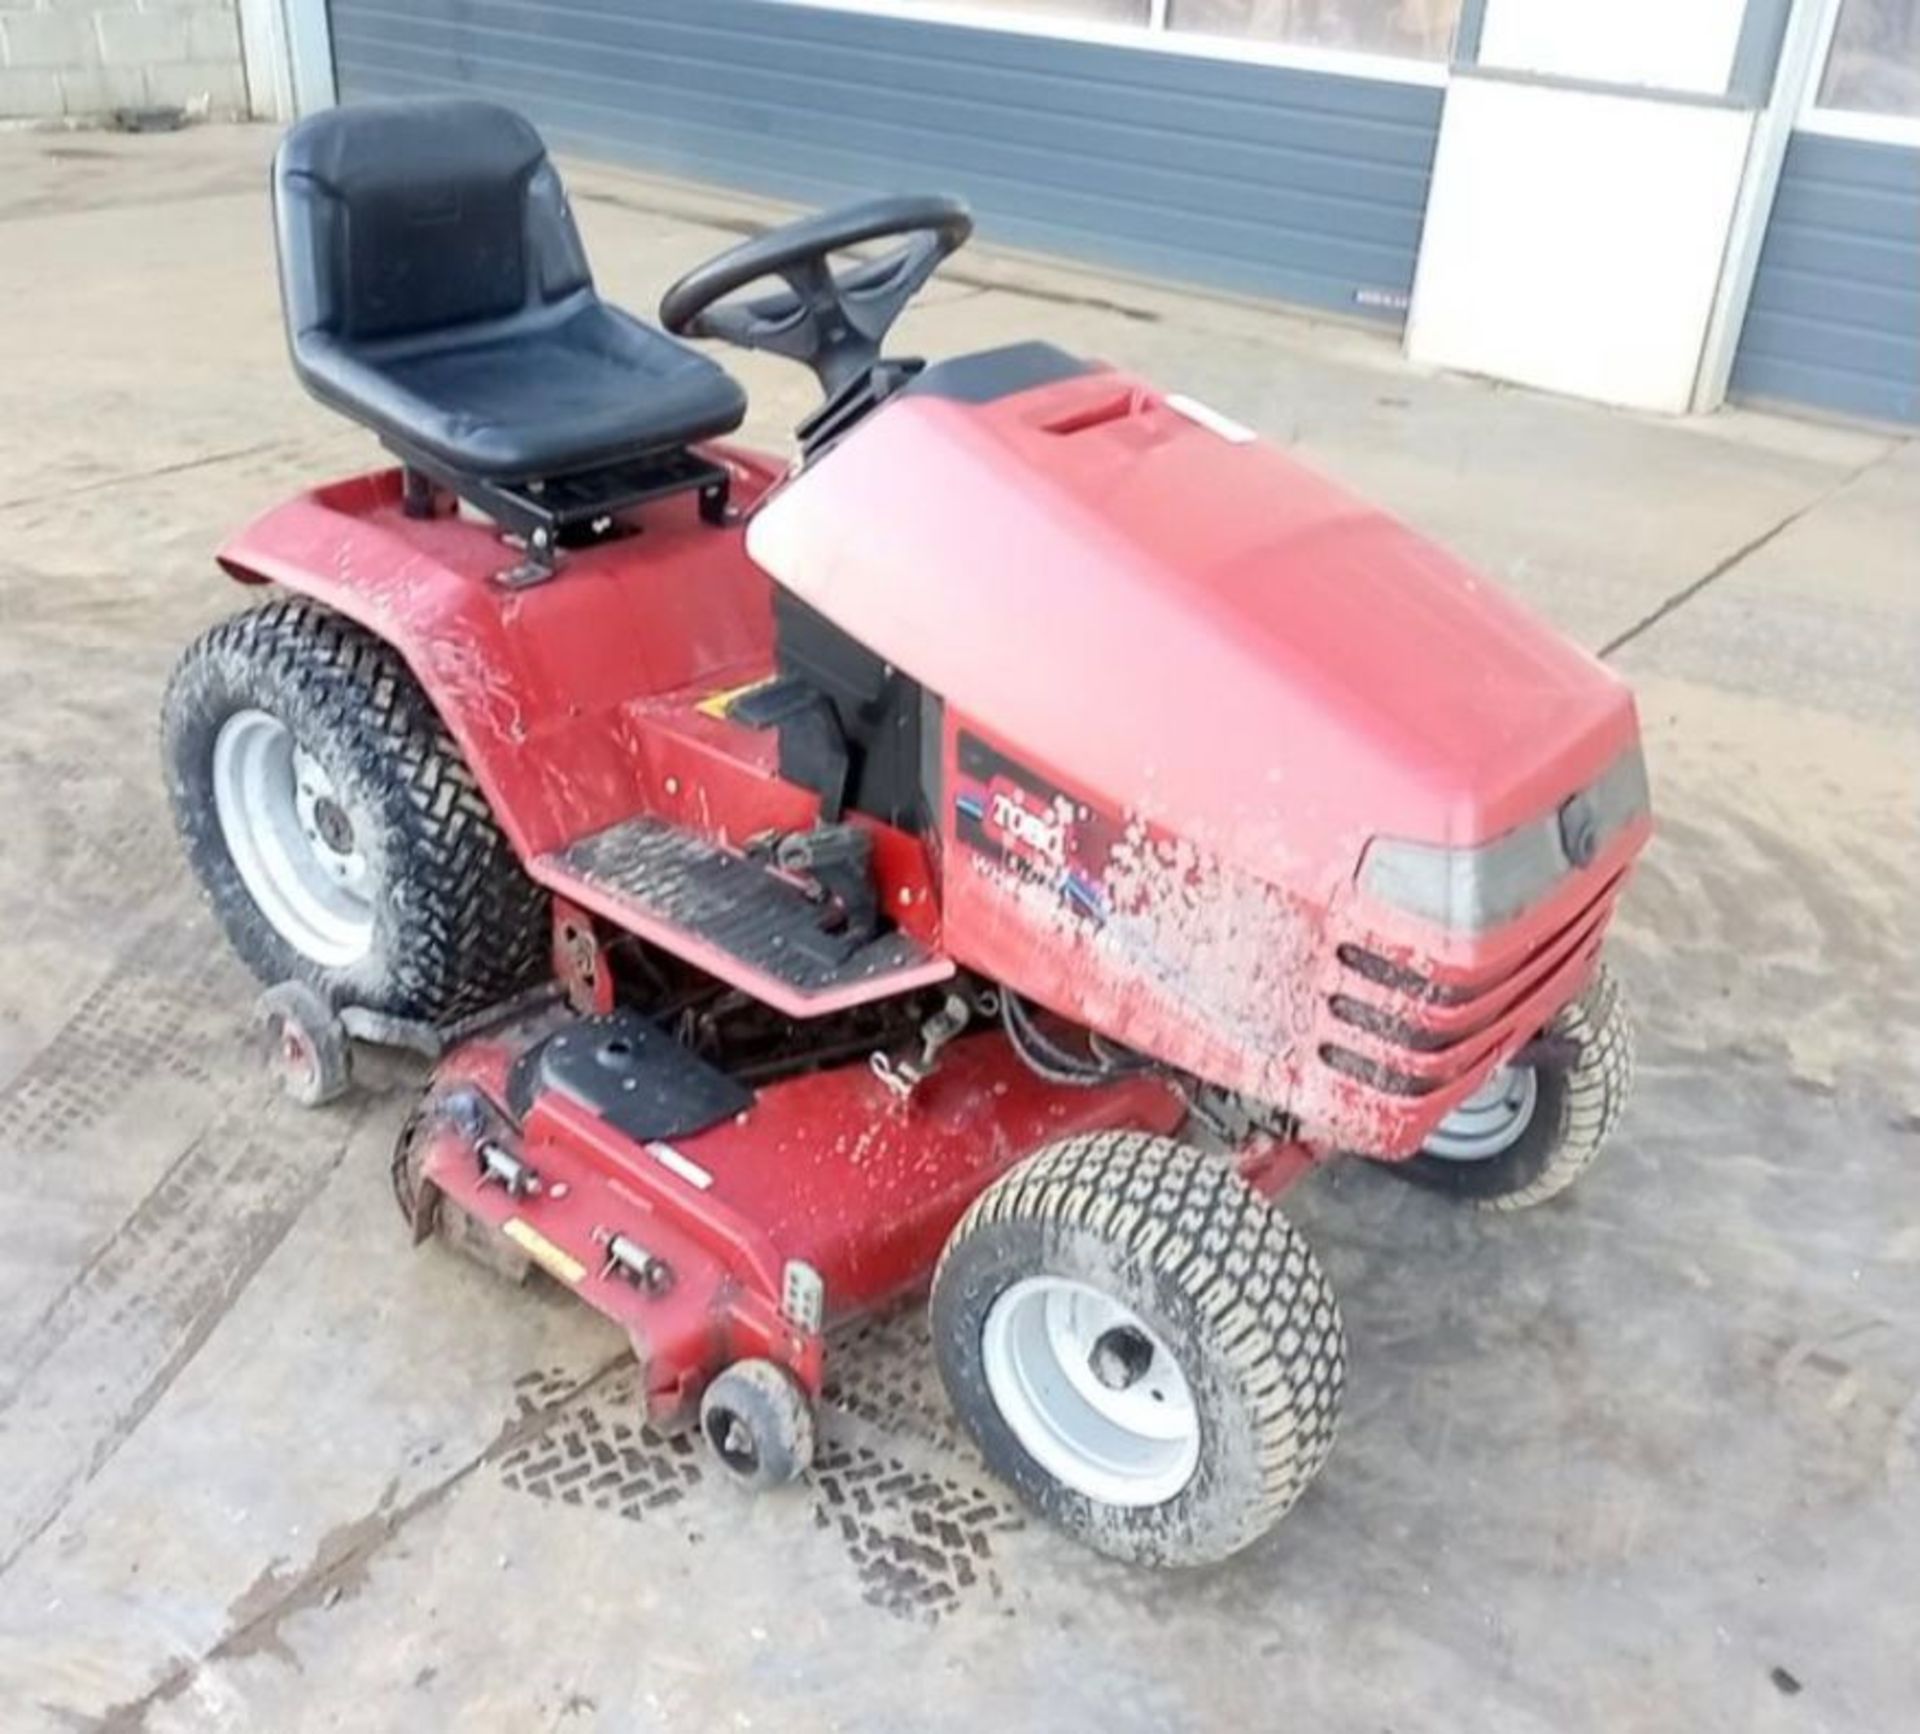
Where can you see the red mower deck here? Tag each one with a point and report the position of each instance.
(833, 1173)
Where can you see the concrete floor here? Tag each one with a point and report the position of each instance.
(1647, 1459)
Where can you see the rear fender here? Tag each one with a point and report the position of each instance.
(540, 687)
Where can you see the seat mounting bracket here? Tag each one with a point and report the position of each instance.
(549, 514)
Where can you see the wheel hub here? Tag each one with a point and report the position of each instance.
(732, 1440)
(292, 840)
(1092, 1393)
(1120, 1357)
(1489, 1122)
(294, 1049)
(334, 829)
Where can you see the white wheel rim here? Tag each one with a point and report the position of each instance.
(1044, 1347)
(292, 840)
(1490, 1121)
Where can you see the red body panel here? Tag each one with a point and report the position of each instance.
(828, 1168)
(1134, 931)
(584, 701)
(1198, 679)
(1185, 683)
(1208, 634)
(549, 691)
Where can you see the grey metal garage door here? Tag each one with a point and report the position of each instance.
(1306, 186)
(1835, 316)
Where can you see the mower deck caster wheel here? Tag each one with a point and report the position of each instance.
(308, 1054)
(759, 1424)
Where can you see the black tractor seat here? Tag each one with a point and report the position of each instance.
(569, 387)
(435, 289)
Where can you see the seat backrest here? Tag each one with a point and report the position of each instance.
(402, 218)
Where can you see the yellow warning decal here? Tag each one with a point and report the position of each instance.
(543, 1252)
(715, 703)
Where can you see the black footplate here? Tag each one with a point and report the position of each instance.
(632, 1074)
(736, 905)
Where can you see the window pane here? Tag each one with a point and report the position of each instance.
(1097, 11)
(1875, 63)
(1422, 29)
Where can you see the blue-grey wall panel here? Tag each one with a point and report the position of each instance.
(1835, 316)
(1306, 186)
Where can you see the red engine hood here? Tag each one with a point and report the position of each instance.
(1193, 624)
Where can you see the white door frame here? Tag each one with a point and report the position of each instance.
(287, 47)
(1803, 58)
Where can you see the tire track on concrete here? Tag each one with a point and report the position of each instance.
(138, 1091)
(344, 1562)
(893, 1483)
(156, 1015)
(114, 1342)
(110, 1103)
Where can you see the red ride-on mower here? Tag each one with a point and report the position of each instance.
(1002, 846)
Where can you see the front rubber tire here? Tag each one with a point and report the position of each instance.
(455, 923)
(1215, 1274)
(1576, 1110)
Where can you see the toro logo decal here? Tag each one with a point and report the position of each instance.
(1016, 816)
(1023, 823)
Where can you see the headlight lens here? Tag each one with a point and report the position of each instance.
(1471, 890)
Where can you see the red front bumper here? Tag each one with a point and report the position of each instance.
(1406, 1031)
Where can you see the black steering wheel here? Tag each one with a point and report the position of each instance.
(833, 322)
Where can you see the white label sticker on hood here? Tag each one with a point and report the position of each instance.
(1210, 419)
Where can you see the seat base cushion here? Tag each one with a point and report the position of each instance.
(581, 385)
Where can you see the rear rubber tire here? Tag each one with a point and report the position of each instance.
(1576, 1111)
(1215, 1273)
(456, 924)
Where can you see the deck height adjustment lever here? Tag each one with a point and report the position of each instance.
(836, 861)
(901, 1076)
(632, 1262)
(500, 1167)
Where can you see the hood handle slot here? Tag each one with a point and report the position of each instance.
(1108, 409)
